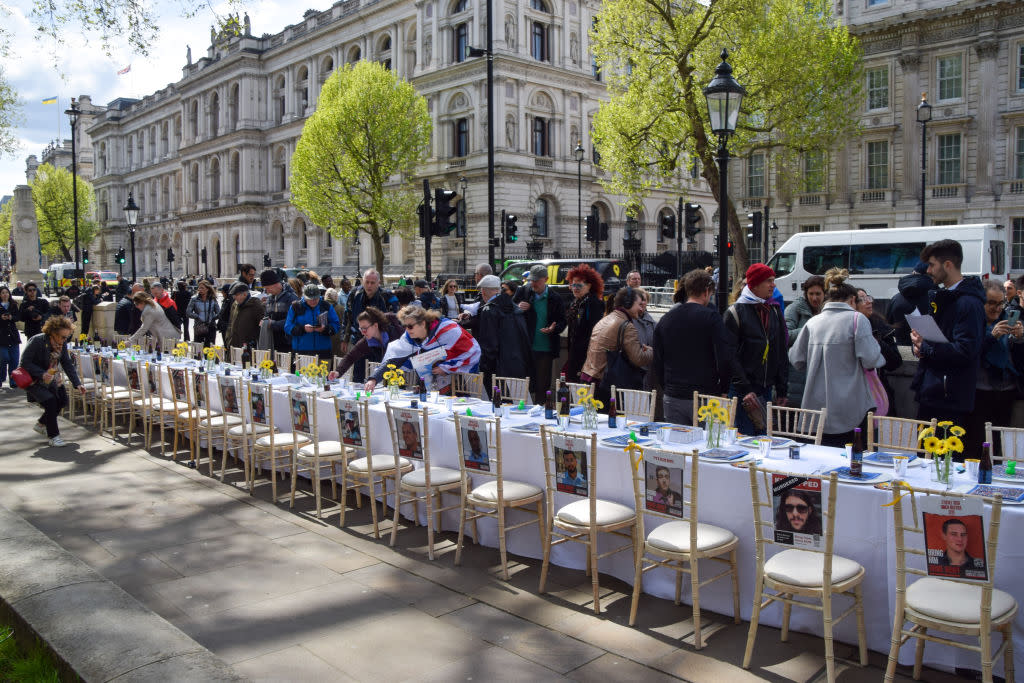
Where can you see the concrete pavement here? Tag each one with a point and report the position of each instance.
(281, 596)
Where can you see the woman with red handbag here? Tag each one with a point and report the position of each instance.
(45, 357)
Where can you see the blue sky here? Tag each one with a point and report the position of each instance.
(38, 70)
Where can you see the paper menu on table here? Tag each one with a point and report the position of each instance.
(926, 326)
(423, 362)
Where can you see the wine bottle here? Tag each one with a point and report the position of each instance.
(564, 399)
(246, 357)
(421, 389)
(549, 406)
(613, 415)
(496, 399)
(857, 454)
(985, 467)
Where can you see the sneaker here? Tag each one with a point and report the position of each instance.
(58, 441)
(39, 428)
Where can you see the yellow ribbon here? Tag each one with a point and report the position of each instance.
(630, 449)
(900, 482)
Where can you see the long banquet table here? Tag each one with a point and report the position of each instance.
(864, 527)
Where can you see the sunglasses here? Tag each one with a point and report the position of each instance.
(802, 509)
(409, 326)
(577, 285)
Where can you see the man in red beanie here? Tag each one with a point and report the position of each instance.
(760, 363)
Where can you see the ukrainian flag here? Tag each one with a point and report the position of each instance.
(50, 100)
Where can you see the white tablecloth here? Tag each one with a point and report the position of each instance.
(864, 527)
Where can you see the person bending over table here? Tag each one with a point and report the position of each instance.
(424, 331)
(378, 329)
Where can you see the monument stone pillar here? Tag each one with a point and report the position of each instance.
(25, 236)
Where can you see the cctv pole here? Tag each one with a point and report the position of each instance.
(503, 231)
(764, 232)
(680, 227)
(425, 227)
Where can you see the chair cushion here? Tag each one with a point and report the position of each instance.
(804, 568)
(607, 513)
(513, 490)
(954, 601)
(439, 476)
(117, 395)
(187, 415)
(281, 440)
(674, 537)
(218, 421)
(328, 449)
(382, 462)
(244, 429)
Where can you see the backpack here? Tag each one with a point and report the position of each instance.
(172, 314)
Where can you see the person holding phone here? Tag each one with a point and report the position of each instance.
(10, 338)
(1002, 353)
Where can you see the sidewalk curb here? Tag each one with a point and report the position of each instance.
(96, 631)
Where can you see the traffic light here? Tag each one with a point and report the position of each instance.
(692, 220)
(591, 228)
(511, 229)
(266, 260)
(668, 225)
(170, 255)
(119, 256)
(202, 255)
(602, 232)
(754, 227)
(444, 213)
(85, 256)
(728, 247)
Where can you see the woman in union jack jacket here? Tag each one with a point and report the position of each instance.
(424, 331)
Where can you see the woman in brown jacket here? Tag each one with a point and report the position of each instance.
(605, 337)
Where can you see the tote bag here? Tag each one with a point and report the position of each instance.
(874, 383)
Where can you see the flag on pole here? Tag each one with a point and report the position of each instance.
(125, 70)
(50, 100)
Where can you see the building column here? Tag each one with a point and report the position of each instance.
(910, 64)
(987, 50)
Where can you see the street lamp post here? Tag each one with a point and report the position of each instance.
(924, 115)
(131, 217)
(631, 243)
(74, 113)
(465, 222)
(355, 244)
(579, 152)
(489, 52)
(775, 234)
(724, 96)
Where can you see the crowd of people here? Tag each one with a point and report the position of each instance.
(827, 349)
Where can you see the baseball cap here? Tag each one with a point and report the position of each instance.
(489, 282)
(537, 272)
(421, 283)
(311, 291)
(238, 288)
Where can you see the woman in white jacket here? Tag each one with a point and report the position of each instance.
(154, 321)
(835, 347)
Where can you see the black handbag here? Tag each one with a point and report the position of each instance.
(619, 371)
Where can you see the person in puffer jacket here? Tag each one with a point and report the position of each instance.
(912, 296)
(425, 331)
(310, 333)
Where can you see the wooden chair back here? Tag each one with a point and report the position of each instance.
(479, 441)
(1008, 446)
(134, 372)
(107, 374)
(679, 503)
(302, 411)
(513, 389)
(259, 405)
(354, 425)
(700, 400)
(410, 438)
(897, 434)
(561, 451)
(229, 388)
(469, 384)
(195, 350)
(802, 424)
(236, 355)
(283, 361)
(636, 404)
(168, 343)
(348, 373)
(371, 367)
(304, 359)
(574, 392)
(771, 523)
(201, 390)
(260, 355)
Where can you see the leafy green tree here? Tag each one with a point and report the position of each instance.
(352, 164)
(6, 214)
(51, 194)
(800, 67)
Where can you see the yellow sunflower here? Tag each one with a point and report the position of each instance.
(714, 403)
(946, 423)
(955, 444)
(956, 430)
(702, 412)
(931, 443)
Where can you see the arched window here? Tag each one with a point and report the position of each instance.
(129, 151)
(540, 215)
(193, 183)
(233, 104)
(460, 142)
(280, 170)
(214, 113)
(302, 91)
(460, 42)
(102, 160)
(233, 173)
(193, 119)
(539, 42)
(540, 137)
(354, 55)
(165, 144)
(214, 178)
(461, 6)
(539, 6)
(279, 99)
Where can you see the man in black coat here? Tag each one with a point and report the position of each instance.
(181, 297)
(368, 293)
(545, 320)
(247, 276)
(280, 297)
(692, 349)
(127, 316)
(501, 331)
(912, 296)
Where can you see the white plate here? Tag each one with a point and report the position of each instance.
(777, 442)
(881, 478)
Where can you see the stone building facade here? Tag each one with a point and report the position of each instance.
(969, 59)
(208, 158)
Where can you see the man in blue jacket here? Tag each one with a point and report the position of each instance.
(311, 323)
(947, 373)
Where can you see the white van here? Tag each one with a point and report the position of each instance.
(877, 259)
